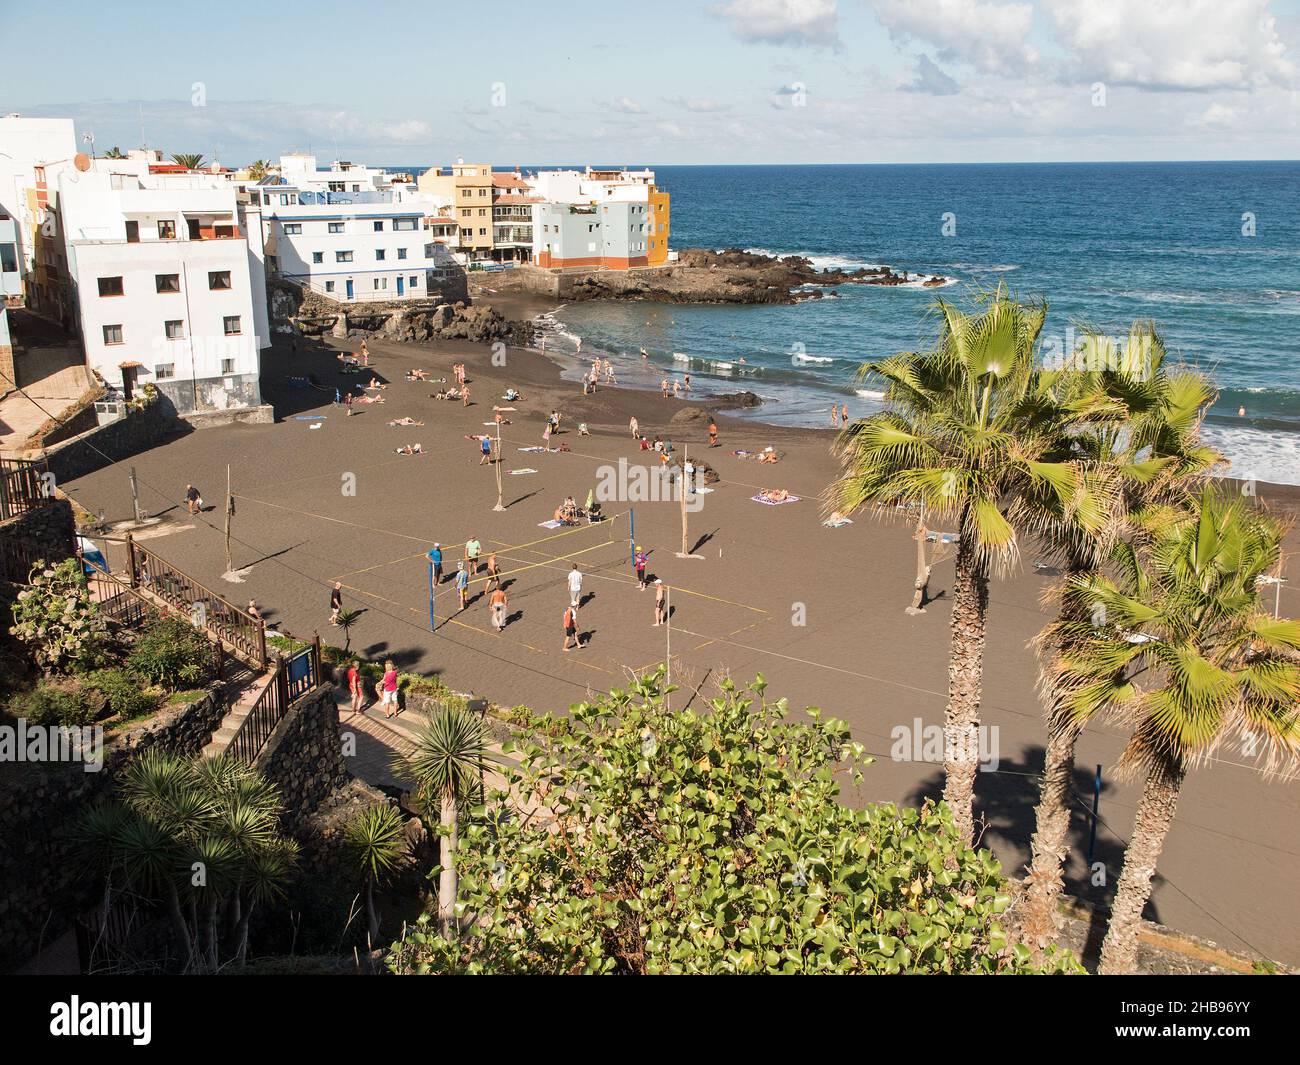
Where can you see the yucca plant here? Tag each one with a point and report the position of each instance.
(375, 845)
(447, 765)
(1138, 448)
(1174, 643)
(200, 837)
(345, 619)
(970, 429)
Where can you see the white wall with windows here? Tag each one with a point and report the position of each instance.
(358, 252)
(167, 312)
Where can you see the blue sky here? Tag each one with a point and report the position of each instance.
(746, 81)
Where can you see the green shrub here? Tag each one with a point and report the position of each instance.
(56, 620)
(125, 695)
(171, 653)
(57, 703)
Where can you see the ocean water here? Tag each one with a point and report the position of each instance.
(1209, 251)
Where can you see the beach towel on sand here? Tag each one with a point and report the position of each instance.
(520, 473)
(532, 449)
(837, 524)
(773, 502)
(552, 524)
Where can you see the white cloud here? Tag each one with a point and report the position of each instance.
(991, 37)
(1190, 45)
(798, 22)
(626, 106)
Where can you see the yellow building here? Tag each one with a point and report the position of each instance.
(469, 187)
(660, 223)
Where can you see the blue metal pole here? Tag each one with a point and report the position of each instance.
(1096, 800)
(631, 533)
(433, 625)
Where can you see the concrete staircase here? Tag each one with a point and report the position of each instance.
(242, 690)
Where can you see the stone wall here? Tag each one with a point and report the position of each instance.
(48, 532)
(129, 435)
(304, 757)
(43, 882)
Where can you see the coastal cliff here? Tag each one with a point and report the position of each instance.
(700, 275)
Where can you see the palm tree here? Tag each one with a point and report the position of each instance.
(258, 169)
(1187, 656)
(448, 765)
(969, 429)
(114, 153)
(1140, 448)
(345, 619)
(201, 837)
(190, 161)
(376, 845)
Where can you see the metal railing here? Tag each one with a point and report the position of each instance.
(17, 557)
(293, 677)
(22, 487)
(245, 634)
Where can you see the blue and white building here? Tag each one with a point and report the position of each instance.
(350, 233)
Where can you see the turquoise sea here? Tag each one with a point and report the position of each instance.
(1209, 251)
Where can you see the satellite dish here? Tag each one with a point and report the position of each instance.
(82, 162)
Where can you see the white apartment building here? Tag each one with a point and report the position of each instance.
(167, 289)
(353, 234)
(592, 185)
(32, 152)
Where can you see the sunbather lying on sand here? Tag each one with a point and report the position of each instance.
(446, 393)
(768, 456)
(416, 375)
(411, 449)
(370, 399)
(775, 495)
(374, 384)
(404, 421)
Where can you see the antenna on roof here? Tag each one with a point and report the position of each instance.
(143, 142)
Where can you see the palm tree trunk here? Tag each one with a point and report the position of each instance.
(181, 929)
(447, 879)
(1040, 919)
(371, 913)
(965, 677)
(1155, 815)
(241, 933)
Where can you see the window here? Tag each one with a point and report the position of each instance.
(164, 370)
(227, 365)
(231, 324)
(8, 259)
(168, 282)
(110, 286)
(428, 251)
(292, 229)
(482, 232)
(401, 253)
(342, 256)
(482, 192)
(380, 254)
(166, 230)
(379, 227)
(318, 256)
(218, 279)
(415, 280)
(112, 334)
(402, 224)
(175, 329)
(336, 227)
(329, 286)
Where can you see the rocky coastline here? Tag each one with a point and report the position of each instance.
(701, 275)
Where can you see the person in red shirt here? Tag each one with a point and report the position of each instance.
(355, 689)
(571, 628)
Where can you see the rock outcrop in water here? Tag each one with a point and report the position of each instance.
(703, 276)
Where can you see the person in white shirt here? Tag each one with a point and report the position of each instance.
(575, 585)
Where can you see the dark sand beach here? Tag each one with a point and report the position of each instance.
(819, 612)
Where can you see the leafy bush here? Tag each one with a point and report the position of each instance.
(57, 703)
(658, 841)
(56, 620)
(125, 695)
(171, 653)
